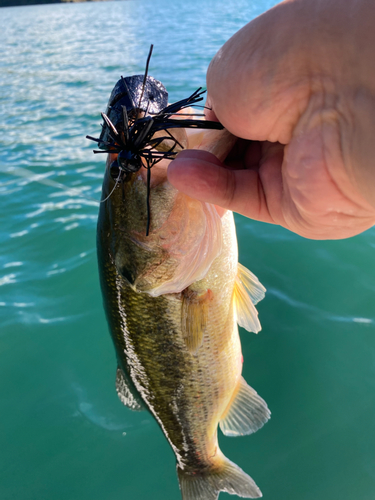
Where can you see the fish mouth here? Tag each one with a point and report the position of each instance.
(158, 171)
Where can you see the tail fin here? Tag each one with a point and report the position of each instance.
(225, 477)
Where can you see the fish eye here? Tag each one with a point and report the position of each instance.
(114, 170)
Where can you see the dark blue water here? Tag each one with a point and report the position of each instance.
(64, 435)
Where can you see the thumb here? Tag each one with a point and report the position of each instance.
(201, 175)
(257, 83)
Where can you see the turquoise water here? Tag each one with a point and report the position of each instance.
(64, 435)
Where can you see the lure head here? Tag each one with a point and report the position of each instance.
(127, 93)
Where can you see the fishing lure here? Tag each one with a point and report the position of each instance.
(139, 126)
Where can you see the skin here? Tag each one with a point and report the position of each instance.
(297, 87)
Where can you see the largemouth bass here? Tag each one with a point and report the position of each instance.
(173, 289)
(173, 300)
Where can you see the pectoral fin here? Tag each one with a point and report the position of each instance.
(127, 393)
(194, 316)
(246, 413)
(247, 292)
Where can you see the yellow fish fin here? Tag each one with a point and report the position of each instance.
(247, 292)
(246, 413)
(127, 393)
(223, 476)
(194, 317)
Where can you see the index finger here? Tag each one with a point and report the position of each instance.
(201, 175)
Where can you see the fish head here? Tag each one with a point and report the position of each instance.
(184, 237)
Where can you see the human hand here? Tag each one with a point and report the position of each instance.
(297, 85)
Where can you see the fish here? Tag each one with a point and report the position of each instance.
(174, 295)
(173, 300)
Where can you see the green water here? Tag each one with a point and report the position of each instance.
(64, 435)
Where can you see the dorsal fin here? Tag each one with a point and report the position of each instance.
(247, 292)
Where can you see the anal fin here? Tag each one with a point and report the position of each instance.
(246, 413)
(127, 393)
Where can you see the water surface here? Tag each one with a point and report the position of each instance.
(63, 433)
